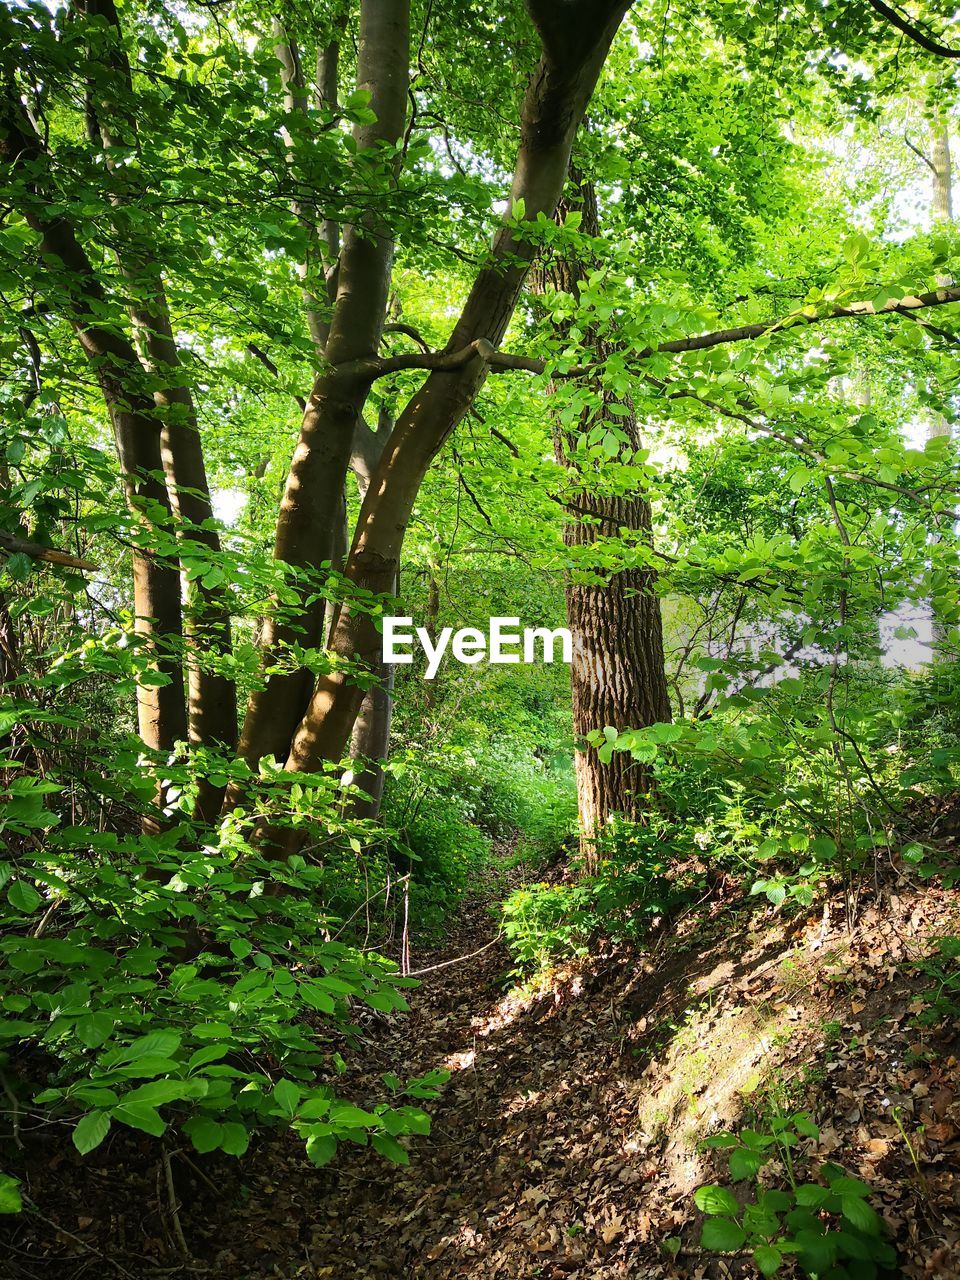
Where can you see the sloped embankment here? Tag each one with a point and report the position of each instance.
(566, 1142)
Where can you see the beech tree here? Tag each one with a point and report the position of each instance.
(84, 127)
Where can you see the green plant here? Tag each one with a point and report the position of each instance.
(163, 987)
(828, 1226)
(632, 886)
(943, 970)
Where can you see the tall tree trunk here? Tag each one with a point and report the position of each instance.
(576, 38)
(618, 672)
(370, 739)
(211, 700)
(370, 742)
(307, 525)
(942, 175)
(161, 710)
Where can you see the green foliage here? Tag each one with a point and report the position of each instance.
(630, 888)
(790, 794)
(165, 986)
(942, 971)
(828, 1226)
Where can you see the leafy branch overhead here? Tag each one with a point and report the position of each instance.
(632, 882)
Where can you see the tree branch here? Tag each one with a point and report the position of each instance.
(915, 33)
(22, 546)
(917, 152)
(500, 361)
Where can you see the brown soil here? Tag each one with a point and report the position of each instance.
(565, 1144)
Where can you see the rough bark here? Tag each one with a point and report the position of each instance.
(576, 39)
(617, 674)
(161, 710)
(307, 525)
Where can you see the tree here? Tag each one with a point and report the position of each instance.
(119, 260)
(618, 675)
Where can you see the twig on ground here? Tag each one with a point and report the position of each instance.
(173, 1206)
(444, 964)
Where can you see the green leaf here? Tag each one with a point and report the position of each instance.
(94, 1028)
(157, 1044)
(816, 1251)
(713, 1199)
(744, 1164)
(90, 1131)
(205, 1134)
(777, 1201)
(390, 1148)
(287, 1096)
(236, 1138)
(385, 1000)
(859, 1214)
(811, 1196)
(156, 1092)
(768, 1259)
(321, 1150)
(19, 566)
(11, 1201)
(207, 1053)
(140, 1116)
(723, 1235)
(844, 1186)
(23, 897)
(350, 1117)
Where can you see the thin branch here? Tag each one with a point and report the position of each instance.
(410, 331)
(435, 361)
(269, 365)
(502, 360)
(926, 159)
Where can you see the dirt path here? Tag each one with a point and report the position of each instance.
(565, 1143)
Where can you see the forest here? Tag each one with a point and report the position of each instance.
(479, 639)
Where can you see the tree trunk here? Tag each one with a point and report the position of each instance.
(161, 710)
(576, 39)
(211, 700)
(370, 739)
(618, 673)
(370, 743)
(307, 526)
(942, 175)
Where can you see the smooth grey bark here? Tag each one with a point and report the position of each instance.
(161, 708)
(309, 513)
(211, 696)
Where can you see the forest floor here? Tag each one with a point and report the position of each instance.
(565, 1144)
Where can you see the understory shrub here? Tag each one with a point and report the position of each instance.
(177, 981)
(633, 887)
(827, 1225)
(446, 810)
